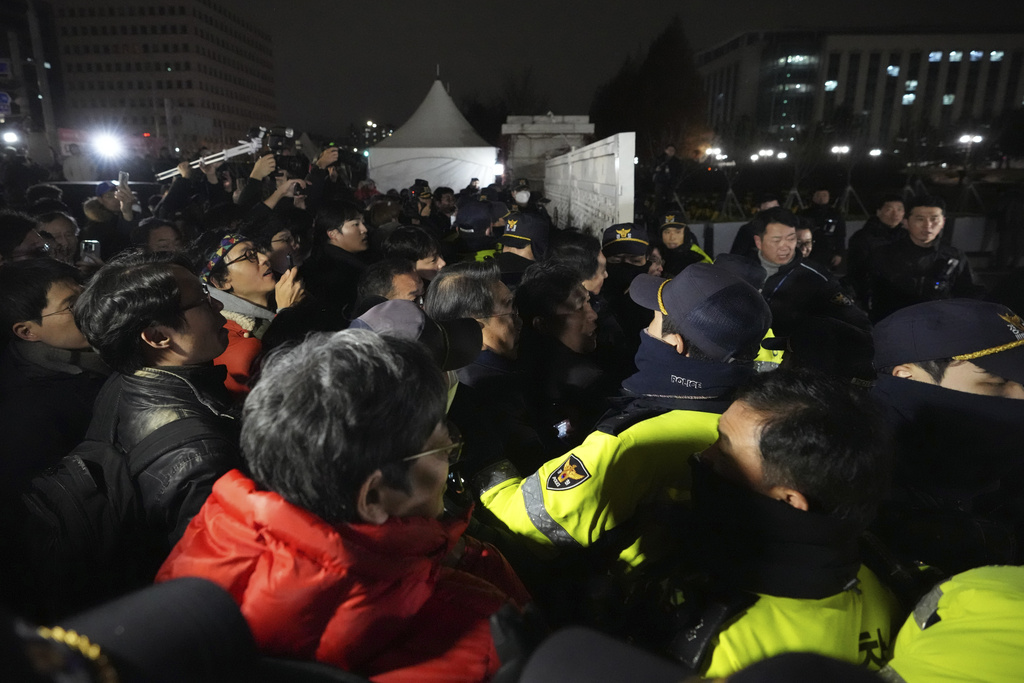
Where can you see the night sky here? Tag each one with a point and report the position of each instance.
(341, 62)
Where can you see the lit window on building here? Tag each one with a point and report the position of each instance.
(976, 55)
(948, 99)
(831, 85)
(934, 56)
(911, 86)
(996, 55)
(892, 70)
(798, 59)
(909, 98)
(956, 56)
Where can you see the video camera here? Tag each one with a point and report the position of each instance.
(278, 139)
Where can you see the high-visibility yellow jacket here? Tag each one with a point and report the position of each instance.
(969, 628)
(575, 499)
(855, 625)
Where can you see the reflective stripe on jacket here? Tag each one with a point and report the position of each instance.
(571, 501)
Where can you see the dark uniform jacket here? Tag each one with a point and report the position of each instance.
(903, 274)
(829, 231)
(802, 289)
(863, 243)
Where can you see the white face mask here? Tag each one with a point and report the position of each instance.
(522, 197)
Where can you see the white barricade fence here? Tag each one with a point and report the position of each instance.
(592, 187)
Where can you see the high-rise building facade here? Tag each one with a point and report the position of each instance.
(188, 71)
(784, 83)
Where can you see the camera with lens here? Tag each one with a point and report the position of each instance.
(280, 139)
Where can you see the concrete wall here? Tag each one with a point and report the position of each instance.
(532, 140)
(592, 187)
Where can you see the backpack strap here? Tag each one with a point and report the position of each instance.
(168, 438)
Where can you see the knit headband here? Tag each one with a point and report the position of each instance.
(218, 255)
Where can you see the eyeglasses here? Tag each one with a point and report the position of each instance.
(454, 449)
(513, 311)
(250, 255)
(66, 309)
(207, 299)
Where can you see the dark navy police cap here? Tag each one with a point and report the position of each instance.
(987, 334)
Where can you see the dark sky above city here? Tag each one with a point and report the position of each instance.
(340, 62)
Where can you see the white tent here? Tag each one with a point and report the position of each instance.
(436, 144)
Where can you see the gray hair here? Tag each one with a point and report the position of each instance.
(327, 413)
(462, 290)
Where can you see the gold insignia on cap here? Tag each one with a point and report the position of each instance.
(511, 227)
(670, 219)
(1015, 324)
(624, 233)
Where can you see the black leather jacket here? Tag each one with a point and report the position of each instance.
(176, 485)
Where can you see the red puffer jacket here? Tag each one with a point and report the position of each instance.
(375, 600)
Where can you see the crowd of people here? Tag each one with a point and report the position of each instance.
(428, 435)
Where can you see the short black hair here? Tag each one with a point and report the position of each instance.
(544, 288)
(24, 285)
(926, 200)
(43, 191)
(314, 440)
(462, 290)
(936, 368)
(134, 291)
(888, 197)
(410, 242)
(824, 438)
(378, 279)
(331, 216)
(261, 229)
(443, 190)
(13, 228)
(140, 233)
(55, 216)
(776, 214)
(692, 350)
(575, 249)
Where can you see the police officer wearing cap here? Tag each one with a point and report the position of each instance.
(950, 379)
(627, 248)
(680, 245)
(916, 267)
(699, 347)
(522, 243)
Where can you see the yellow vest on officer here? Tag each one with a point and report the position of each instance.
(573, 500)
(969, 628)
(855, 625)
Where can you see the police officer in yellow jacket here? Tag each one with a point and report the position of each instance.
(697, 350)
(779, 502)
(968, 628)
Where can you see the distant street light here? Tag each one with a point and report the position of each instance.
(781, 155)
(875, 152)
(755, 157)
(10, 137)
(841, 149)
(970, 139)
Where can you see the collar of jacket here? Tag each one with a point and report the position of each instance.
(395, 549)
(662, 372)
(338, 255)
(487, 364)
(205, 382)
(48, 359)
(762, 545)
(934, 428)
(249, 316)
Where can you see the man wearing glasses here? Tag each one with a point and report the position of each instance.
(49, 377)
(336, 544)
(156, 326)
